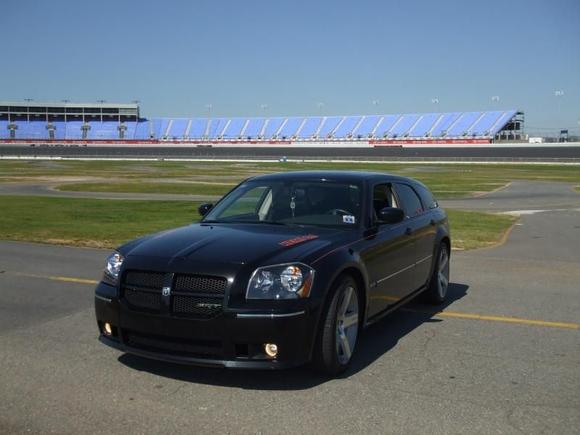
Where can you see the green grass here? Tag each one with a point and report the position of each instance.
(108, 223)
(149, 187)
(89, 222)
(446, 181)
(472, 230)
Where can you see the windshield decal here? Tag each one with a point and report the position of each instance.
(297, 240)
(348, 219)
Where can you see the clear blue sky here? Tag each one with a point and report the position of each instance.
(177, 56)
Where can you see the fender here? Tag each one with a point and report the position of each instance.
(329, 268)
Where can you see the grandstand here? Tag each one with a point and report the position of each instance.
(121, 123)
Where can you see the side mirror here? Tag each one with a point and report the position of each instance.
(204, 208)
(391, 215)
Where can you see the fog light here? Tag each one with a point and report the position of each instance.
(271, 350)
(108, 329)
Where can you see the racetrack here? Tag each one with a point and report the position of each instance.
(547, 153)
(502, 357)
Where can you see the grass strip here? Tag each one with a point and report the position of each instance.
(106, 223)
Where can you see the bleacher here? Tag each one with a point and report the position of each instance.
(392, 127)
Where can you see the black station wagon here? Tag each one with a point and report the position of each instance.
(284, 270)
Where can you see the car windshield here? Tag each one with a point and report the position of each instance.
(291, 202)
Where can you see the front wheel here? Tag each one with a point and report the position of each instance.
(439, 282)
(339, 329)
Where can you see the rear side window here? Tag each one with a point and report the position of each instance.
(411, 203)
(427, 198)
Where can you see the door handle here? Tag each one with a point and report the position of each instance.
(409, 231)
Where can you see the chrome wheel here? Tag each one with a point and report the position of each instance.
(443, 272)
(346, 325)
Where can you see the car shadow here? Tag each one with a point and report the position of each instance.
(374, 342)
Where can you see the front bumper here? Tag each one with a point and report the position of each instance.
(233, 339)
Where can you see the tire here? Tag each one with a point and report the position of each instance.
(439, 283)
(338, 333)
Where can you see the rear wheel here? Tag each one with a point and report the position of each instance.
(338, 335)
(439, 282)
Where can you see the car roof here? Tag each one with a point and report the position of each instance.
(332, 175)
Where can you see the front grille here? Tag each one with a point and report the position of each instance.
(142, 290)
(140, 299)
(197, 306)
(194, 296)
(150, 280)
(200, 284)
(174, 346)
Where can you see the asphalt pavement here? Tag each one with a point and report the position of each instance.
(502, 357)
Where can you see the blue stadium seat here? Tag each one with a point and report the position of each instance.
(4, 133)
(37, 129)
(156, 128)
(106, 130)
(440, 127)
(164, 128)
(328, 126)
(385, 124)
(402, 127)
(501, 122)
(461, 127)
(178, 128)
(142, 130)
(216, 127)
(197, 128)
(234, 128)
(73, 130)
(482, 127)
(344, 130)
(31, 130)
(435, 125)
(60, 129)
(254, 128)
(272, 127)
(424, 125)
(310, 127)
(366, 126)
(130, 131)
(290, 128)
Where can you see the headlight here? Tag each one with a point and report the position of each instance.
(113, 267)
(282, 281)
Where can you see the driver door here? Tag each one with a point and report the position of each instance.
(388, 255)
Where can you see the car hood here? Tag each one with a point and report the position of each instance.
(238, 243)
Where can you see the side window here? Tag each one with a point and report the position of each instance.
(383, 197)
(411, 203)
(427, 198)
(248, 203)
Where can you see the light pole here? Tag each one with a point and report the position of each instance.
(264, 107)
(559, 93)
(208, 107)
(375, 102)
(494, 99)
(320, 105)
(435, 102)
